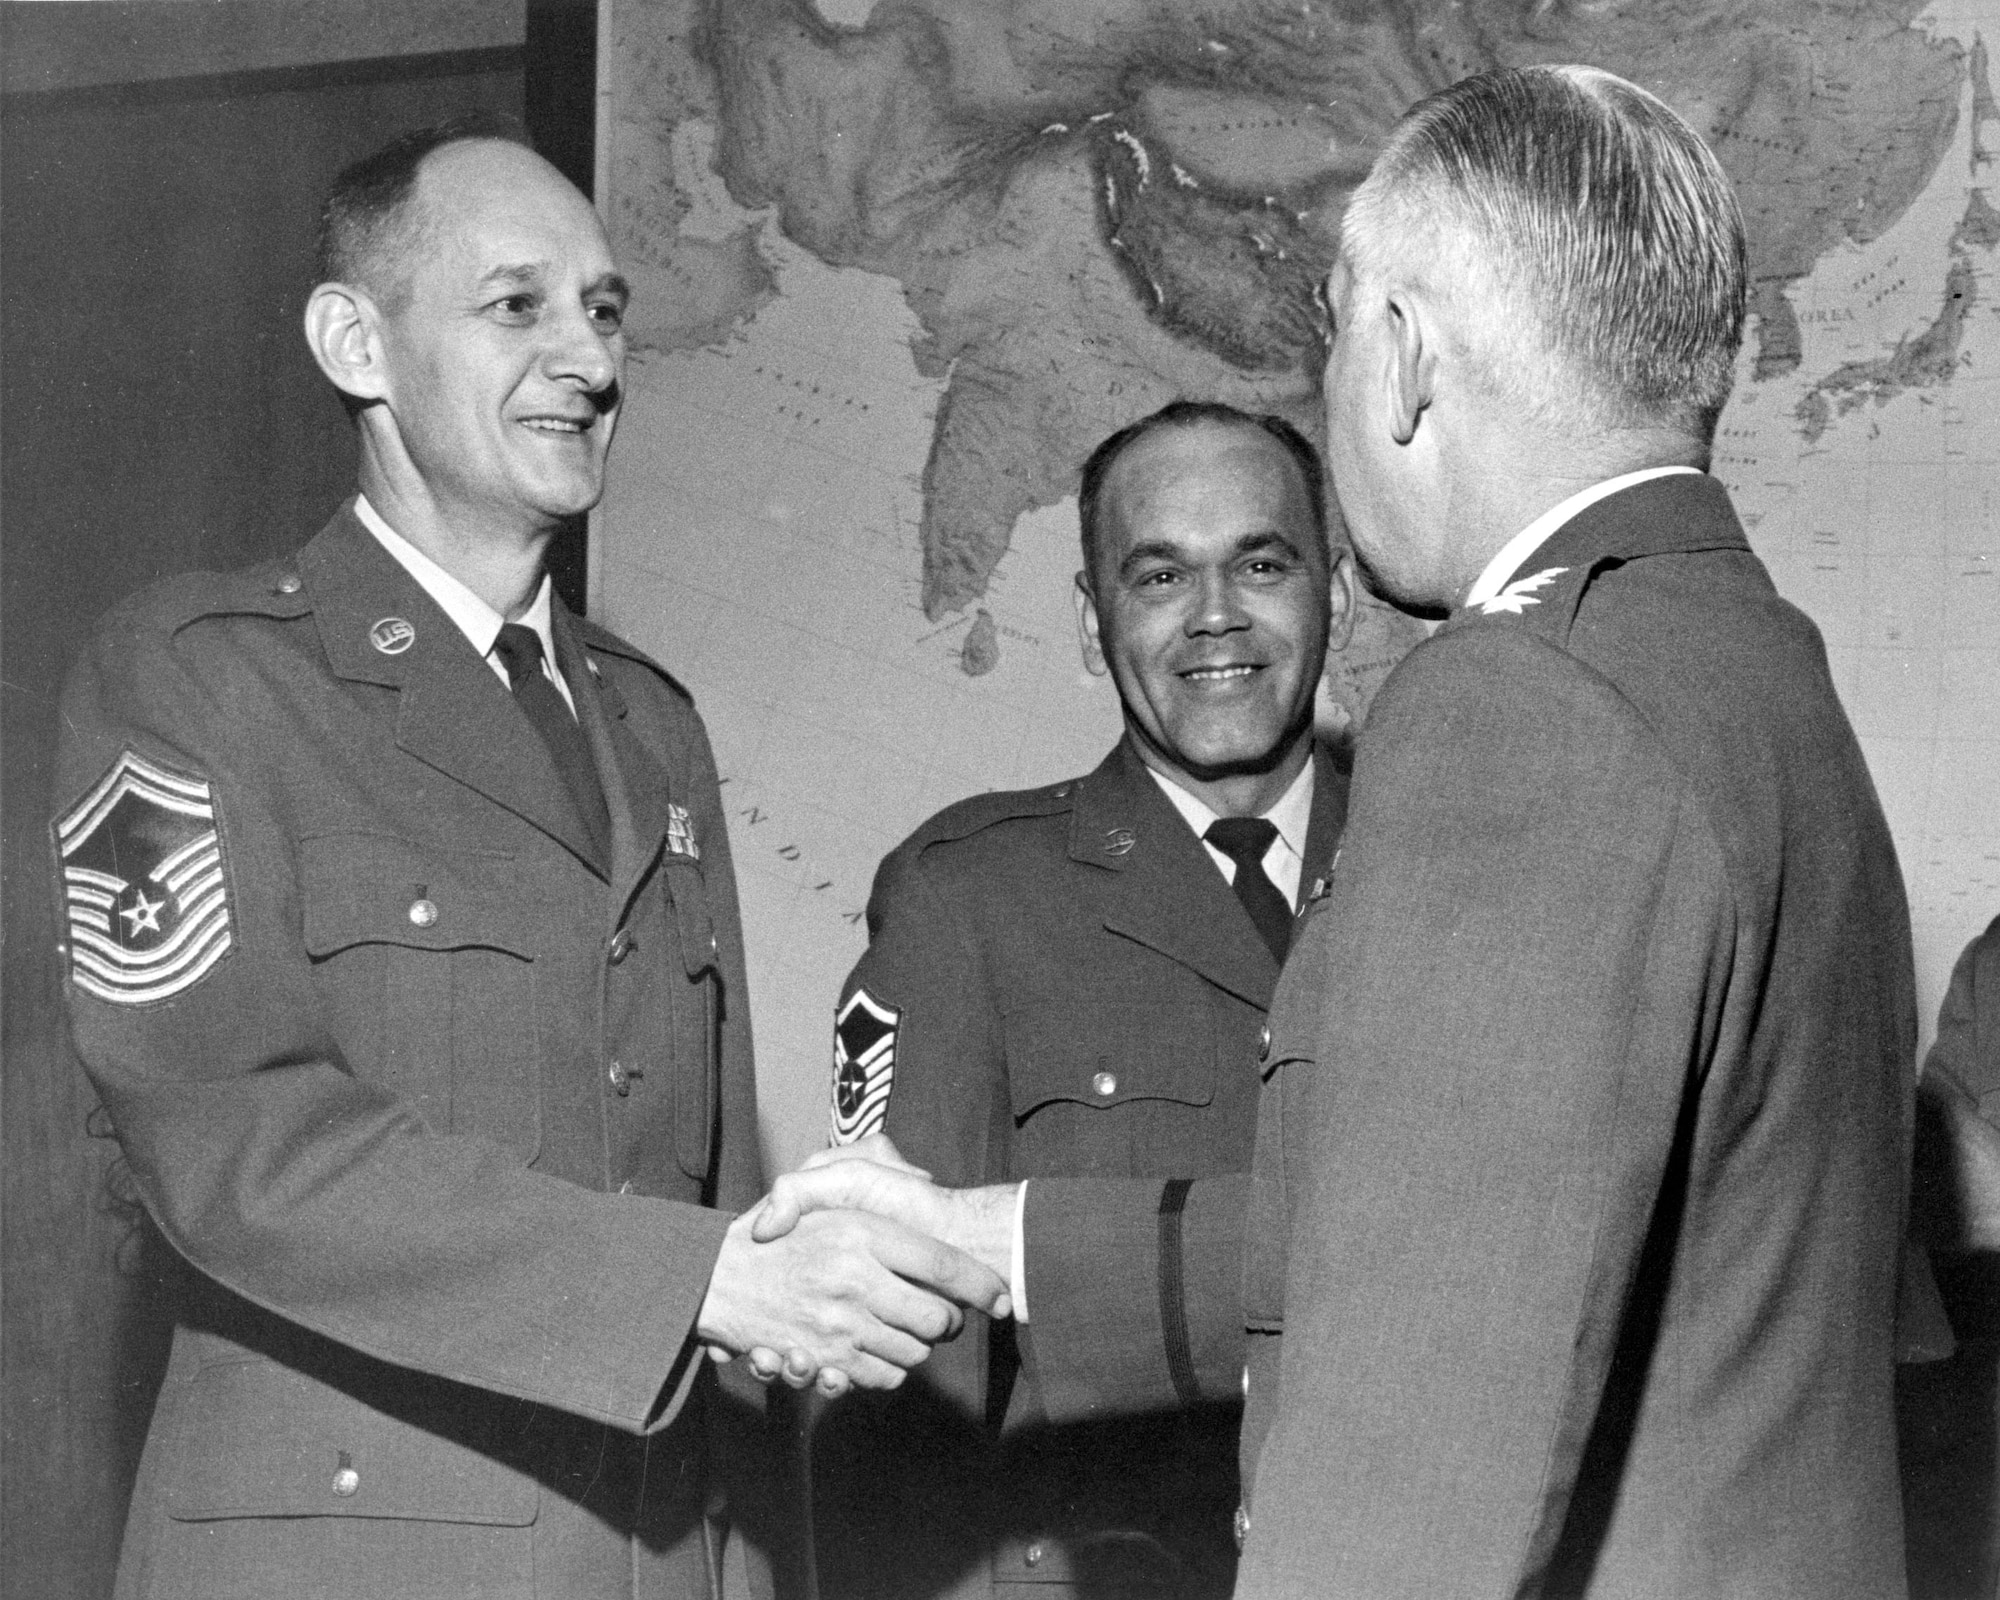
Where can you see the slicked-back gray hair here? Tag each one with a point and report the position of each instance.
(1585, 240)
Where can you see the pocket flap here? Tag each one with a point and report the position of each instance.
(260, 1440)
(1109, 1054)
(371, 888)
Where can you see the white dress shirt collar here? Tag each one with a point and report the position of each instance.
(1284, 862)
(1514, 554)
(477, 620)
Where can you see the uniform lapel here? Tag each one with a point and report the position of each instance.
(454, 713)
(636, 786)
(1158, 886)
(1329, 820)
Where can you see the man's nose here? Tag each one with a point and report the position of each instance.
(580, 353)
(1218, 607)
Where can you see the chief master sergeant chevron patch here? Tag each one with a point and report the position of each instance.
(145, 894)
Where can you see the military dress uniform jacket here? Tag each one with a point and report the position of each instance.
(1061, 986)
(442, 1113)
(1967, 1051)
(1580, 1172)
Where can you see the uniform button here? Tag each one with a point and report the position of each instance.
(1264, 1043)
(346, 1481)
(621, 945)
(1033, 1555)
(621, 1080)
(423, 912)
(626, 1188)
(1242, 1520)
(288, 584)
(1246, 1380)
(1105, 1083)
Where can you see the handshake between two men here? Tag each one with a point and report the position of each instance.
(874, 1264)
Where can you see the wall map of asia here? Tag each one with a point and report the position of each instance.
(900, 265)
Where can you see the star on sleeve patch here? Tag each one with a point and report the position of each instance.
(146, 901)
(864, 1065)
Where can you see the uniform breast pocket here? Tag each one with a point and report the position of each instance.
(1117, 1089)
(427, 960)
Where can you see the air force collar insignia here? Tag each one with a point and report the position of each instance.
(864, 1066)
(145, 894)
(1520, 594)
(392, 636)
(680, 833)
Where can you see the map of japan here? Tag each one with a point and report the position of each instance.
(899, 266)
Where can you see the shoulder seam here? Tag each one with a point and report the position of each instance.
(594, 636)
(976, 813)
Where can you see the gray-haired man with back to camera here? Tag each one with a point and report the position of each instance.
(1581, 1171)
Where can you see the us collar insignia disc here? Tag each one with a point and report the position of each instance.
(864, 1065)
(145, 897)
(392, 636)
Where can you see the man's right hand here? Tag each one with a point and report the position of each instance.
(873, 1176)
(845, 1291)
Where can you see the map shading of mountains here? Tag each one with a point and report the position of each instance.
(900, 266)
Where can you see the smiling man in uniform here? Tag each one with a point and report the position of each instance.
(1065, 986)
(404, 953)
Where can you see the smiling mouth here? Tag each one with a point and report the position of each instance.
(1219, 674)
(568, 425)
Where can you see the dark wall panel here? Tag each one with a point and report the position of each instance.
(158, 412)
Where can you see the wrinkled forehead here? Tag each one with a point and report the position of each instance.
(1219, 475)
(486, 205)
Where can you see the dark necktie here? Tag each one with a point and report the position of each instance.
(1245, 840)
(520, 651)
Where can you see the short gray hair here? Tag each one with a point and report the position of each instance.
(1588, 242)
(368, 227)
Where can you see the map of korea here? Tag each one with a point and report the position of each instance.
(1094, 206)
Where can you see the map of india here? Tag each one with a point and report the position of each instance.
(900, 264)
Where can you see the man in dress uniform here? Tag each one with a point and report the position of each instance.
(403, 948)
(1065, 985)
(1949, 1400)
(1580, 1170)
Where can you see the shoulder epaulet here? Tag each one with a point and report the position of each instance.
(269, 589)
(604, 641)
(982, 811)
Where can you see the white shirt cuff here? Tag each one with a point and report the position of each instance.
(1017, 1274)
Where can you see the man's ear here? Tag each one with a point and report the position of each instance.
(1343, 602)
(1411, 366)
(1087, 634)
(343, 330)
